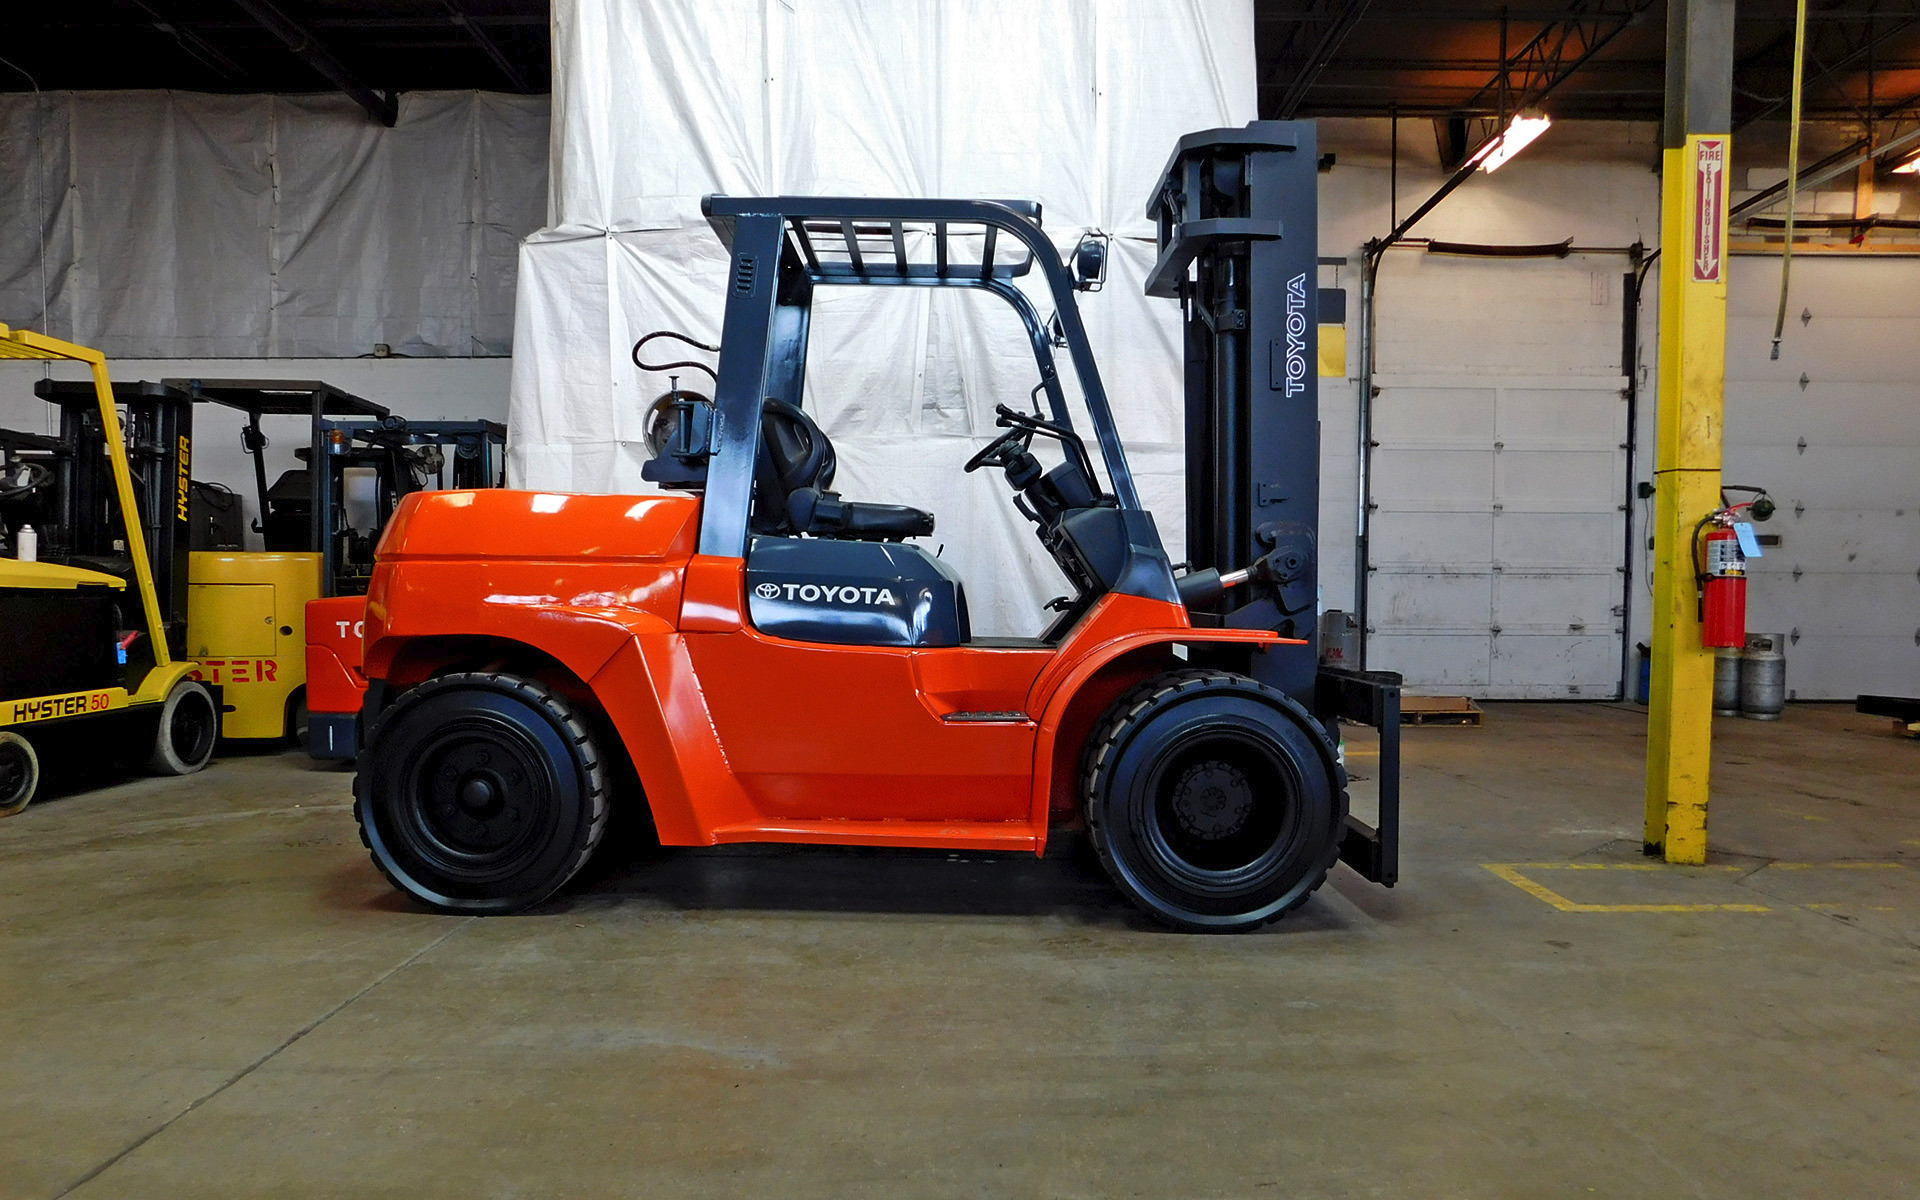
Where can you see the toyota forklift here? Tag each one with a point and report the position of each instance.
(752, 657)
(247, 620)
(89, 661)
(397, 457)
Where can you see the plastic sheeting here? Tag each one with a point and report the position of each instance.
(179, 225)
(1076, 104)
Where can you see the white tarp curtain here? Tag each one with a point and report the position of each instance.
(178, 224)
(1076, 104)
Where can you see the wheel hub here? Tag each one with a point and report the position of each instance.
(13, 774)
(479, 791)
(1212, 800)
(479, 795)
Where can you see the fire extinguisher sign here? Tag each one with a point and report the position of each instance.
(1709, 209)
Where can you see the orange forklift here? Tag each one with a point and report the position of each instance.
(758, 659)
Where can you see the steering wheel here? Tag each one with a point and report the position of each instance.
(993, 453)
(31, 477)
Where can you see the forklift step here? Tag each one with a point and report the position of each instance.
(1439, 710)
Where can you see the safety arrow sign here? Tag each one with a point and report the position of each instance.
(1709, 209)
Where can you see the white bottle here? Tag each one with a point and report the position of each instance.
(26, 544)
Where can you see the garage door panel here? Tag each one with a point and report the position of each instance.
(1856, 348)
(1435, 662)
(1433, 480)
(1885, 606)
(1548, 417)
(1829, 476)
(1521, 314)
(1829, 289)
(1570, 603)
(1524, 539)
(1435, 415)
(1558, 480)
(1777, 412)
(1841, 666)
(1874, 543)
(1525, 668)
(1466, 540)
(1431, 600)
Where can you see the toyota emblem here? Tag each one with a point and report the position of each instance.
(767, 591)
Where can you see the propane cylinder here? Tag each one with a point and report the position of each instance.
(1726, 682)
(1339, 639)
(1763, 677)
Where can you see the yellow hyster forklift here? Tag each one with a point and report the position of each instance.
(318, 522)
(84, 668)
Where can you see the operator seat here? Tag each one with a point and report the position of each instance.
(791, 479)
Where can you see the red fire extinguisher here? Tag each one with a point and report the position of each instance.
(1723, 587)
(1721, 566)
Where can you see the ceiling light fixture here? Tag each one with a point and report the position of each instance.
(1518, 134)
(1909, 167)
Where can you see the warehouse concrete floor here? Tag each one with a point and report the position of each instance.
(207, 991)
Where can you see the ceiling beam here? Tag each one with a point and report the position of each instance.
(382, 107)
(191, 43)
(1546, 62)
(1851, 53)
(515, 77)
(1559, 49)
(1337, 19)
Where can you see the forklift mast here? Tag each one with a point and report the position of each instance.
(404, 457)
(1237, 219)
(85, 530)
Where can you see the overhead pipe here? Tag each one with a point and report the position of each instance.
(384, 108)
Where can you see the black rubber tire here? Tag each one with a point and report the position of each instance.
(19, 773)
(299, 719)
(1215, 802)
(188, 730)
(480, 792)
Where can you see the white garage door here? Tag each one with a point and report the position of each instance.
(1841, 454)
(1497, 551)
(1498, 536)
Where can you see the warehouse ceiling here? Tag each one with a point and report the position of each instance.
(1576, 58)
(1588, 58)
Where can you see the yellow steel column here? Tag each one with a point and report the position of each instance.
(1693, 358)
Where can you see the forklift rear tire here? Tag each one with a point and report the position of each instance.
(1214, 801)
(480, 792)
(19, 772)
(188, 730)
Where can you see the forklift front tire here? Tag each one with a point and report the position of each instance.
(480, 792)
(1213, 800)
(19, 772)
(189, 728)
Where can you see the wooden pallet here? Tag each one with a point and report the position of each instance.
(1439, 710)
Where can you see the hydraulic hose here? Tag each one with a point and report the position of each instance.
(1793, 170)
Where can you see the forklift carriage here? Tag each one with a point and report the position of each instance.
(758, 659)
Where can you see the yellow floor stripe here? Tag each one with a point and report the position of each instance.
(1838, 866)
(1540, 891)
